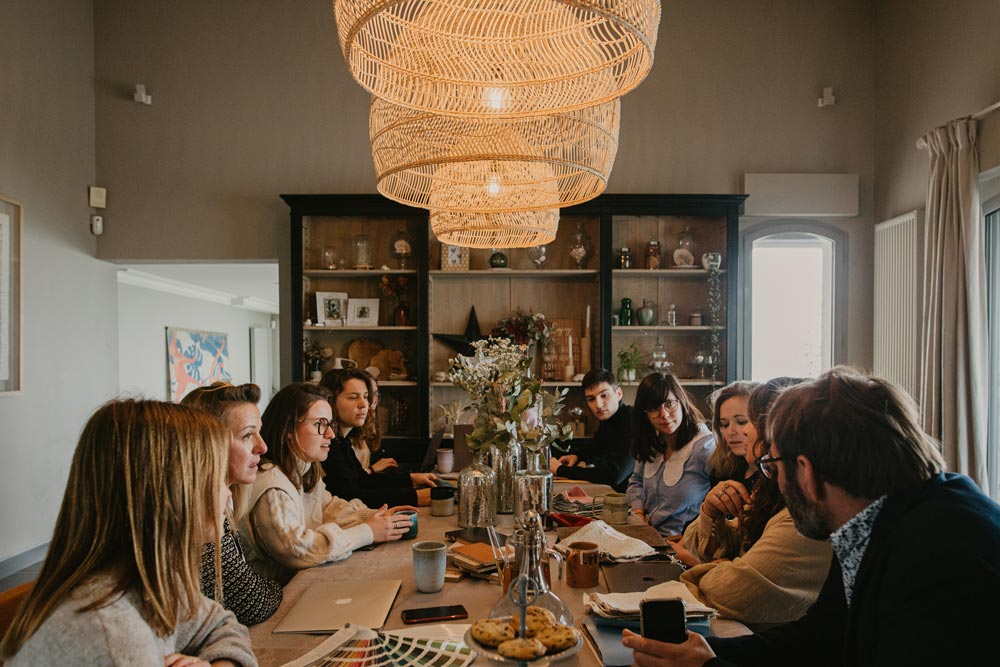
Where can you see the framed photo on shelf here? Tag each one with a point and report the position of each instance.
(454, 258)
(362, 312)
(331, 309)
(10, 297)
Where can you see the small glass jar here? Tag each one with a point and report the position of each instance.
(653, 255)
(328, 261)
(625, 258)
(695, 318)
(672, 315)
(362, 252)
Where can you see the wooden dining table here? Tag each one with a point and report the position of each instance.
(393, 560)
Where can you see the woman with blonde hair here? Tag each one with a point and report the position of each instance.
(291, 521)
(251, 597)
(747, 559)
(120, 585)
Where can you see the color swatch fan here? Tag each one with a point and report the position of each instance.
(360, 647)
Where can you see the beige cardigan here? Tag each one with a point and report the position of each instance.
(775, 581)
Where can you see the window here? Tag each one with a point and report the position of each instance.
(792, 305)
(992, 208)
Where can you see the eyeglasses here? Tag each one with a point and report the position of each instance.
(670, 404)
(766, 465)
(323, 425)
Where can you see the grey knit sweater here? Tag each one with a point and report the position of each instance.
(117, 634)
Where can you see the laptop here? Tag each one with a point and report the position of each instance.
(327, 606)
(639, 576)
(430, 456)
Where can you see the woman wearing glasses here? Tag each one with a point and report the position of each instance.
(290, 520)
(747, 560)
(672, 449)
(345, 475)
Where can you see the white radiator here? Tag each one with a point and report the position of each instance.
(899, 267)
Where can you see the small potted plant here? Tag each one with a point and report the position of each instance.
(628, 363)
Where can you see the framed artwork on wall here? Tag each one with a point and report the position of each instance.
(454, 258)
(195, 359)
(362, 312)
(10, 296)
(331, 309)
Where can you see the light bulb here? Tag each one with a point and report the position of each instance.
(494, 98)
(493, 185)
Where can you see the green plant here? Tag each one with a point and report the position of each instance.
(628, 360)
(714, 313)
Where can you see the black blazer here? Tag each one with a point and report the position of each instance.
(610, 453)
(926, 592)
(346, 478)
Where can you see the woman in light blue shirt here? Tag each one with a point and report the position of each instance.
(672, 449)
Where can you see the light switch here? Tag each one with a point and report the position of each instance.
(98, 197)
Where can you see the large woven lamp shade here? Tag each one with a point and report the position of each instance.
(519, 229)
(498, 57)
(493, 165)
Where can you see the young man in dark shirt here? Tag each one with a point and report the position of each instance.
(608, 459)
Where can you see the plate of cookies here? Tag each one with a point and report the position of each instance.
(546, 639)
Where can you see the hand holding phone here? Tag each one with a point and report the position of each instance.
(663, 620)
(434, 614)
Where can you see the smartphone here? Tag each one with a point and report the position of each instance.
(431, 614)
(663, 620)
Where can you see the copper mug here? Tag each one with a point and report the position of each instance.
(582, 565)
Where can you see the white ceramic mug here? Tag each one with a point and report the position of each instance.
(429, 561)
(445, 460)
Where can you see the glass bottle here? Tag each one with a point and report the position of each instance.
(579, 249)
(625, 258)
(533, 484)
(401, 248)
(328, 258)
(506, 461)
(362, 252)
(625, 313)
(672, 315)
(477, 493)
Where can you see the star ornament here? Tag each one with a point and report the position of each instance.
(462, 343)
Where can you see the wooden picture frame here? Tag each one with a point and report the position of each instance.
(11, 317)
(454, 258)
(362, 312)
(331, 309)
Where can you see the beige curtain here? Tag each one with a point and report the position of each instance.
(955, 362)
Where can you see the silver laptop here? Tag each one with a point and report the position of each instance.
(327, 606)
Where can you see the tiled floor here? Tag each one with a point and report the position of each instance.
(18, 578)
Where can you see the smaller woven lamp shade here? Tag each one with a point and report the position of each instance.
(511, 58)
(493, 165)
(518, 229)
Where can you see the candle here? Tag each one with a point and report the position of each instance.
(586, 323)
(570, 350)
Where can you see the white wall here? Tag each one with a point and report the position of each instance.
(143, 317)
(69, 341)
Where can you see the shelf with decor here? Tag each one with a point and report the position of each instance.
(443, 284)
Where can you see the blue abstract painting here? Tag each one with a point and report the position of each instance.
(195, 359)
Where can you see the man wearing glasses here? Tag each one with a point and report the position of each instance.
(608, 459)
(917, 550)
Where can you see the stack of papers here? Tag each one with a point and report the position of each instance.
(576, 501)
(625, 606)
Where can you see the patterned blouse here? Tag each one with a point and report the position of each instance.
(250, 596)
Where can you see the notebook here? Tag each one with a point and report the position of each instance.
(327, 606)
(639, 576)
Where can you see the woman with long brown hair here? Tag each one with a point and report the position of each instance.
(120, 584)
(289, 518)
(672, 446)
(747, 559)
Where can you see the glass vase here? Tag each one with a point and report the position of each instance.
(533, 485)
(477, 494)
(506, 461)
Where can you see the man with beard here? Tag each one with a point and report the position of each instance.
(917, 549)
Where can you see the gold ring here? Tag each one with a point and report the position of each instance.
(721, 495)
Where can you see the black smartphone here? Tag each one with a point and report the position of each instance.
(431, 614)
(663, 620)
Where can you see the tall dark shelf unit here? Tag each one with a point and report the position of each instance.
(610, 221)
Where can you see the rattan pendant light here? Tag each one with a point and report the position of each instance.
(520, 229)
(498, 57)
(493, 165)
